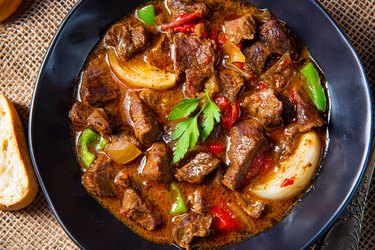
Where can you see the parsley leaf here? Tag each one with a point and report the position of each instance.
(184, 109)
(211, 113)
(187, 132)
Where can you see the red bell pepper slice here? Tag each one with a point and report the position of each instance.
(223, 220)
(239, 65)
(182, 19)
(221, 39)
(222, 102)
(262, 86)
(229, 112)
(186, 28)
(215, 148)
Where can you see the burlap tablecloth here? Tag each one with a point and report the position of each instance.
(24, 39)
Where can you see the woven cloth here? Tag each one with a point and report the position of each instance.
(24, 39)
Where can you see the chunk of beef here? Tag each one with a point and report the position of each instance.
(187, 226)
(151, 98)
(231, 83)
(265, 106)
(202, 165)
(274, 39)
(190, 154)
(137, 208)
(99, 178)
(194, 56)
(83, 116)
(160, 55)
(196, 202)
(146, 127)
(127, 39)
(242, 28)
(280, 74)
(247, 141)
(117, 117)
(277, 38)
(170, 127)
(251, 207)
(122, 179)
(287, 140)
(289, 109)
(256, 56)
(98, 88)
(178, 6)
(157, 164)
(308, 115)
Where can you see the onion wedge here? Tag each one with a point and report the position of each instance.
(122, 153)
(234, 53)
(294, 174)
(140, 74)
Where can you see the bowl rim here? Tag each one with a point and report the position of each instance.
(328, 223)
(349, 196)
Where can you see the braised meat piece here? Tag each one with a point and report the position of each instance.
(122, 180)
(151, 98)
(277, 38)
(187, 226)
(289, 109)
(196, 57)
(287, 140)
(252, 207)
(274, 39)
(202, 165)
(247, 141)
(308, 115)
(265, 106)
(99, 178)
(157, 166)
(186, 6)
(196, 201)
(127, 39)
(83, 116)
(242, 28)
(98, 88)
(160, 55)
(280, 74)
(135, 207)
(256, 56)
(231, 83)
(146, 127)
(117, 117)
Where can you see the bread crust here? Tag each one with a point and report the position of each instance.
(20, 159)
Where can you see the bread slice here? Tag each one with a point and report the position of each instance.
(18, 185)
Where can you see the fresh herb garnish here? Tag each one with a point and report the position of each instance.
(187, 132)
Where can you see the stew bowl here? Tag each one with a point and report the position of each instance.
(93, 227)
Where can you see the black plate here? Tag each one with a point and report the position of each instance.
(92, 227)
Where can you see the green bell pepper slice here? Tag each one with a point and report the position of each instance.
(147, 14)
(179, 206)
(314, 87)
(88, 137)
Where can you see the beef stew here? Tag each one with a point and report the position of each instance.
(199, 123)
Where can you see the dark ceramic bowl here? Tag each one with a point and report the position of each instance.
(93, 227)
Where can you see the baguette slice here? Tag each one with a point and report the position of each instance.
(18, 185)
